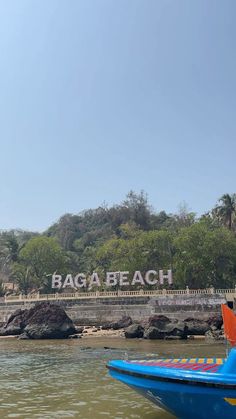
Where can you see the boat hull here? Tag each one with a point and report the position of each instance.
(199, 388)
(183, 400)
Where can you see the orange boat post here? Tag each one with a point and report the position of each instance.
(229, 320)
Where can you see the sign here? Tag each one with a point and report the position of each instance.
(112, 279)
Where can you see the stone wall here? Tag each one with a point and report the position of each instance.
(99, 311)
(182, 307)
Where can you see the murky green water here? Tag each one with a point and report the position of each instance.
(68, 379)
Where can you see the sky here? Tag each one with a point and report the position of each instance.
(100, 97)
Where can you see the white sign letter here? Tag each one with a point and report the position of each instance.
(151, 281)
(80, 281)
(123, 278)
(168, 277)
(137, 279)
(94, 280)
(68, 281)
(111, 279)
(56, 281)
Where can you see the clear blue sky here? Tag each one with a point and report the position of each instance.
(98, 97)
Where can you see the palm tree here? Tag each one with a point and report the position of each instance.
(226, 210)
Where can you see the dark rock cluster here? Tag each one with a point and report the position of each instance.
(43, 321)
(49, 321)
(162, 327)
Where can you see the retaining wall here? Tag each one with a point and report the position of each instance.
(99, 311)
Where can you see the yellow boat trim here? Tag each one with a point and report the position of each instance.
(230, 401)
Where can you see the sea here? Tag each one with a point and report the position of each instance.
(53, 379)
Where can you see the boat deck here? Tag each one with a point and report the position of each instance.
(195, 364)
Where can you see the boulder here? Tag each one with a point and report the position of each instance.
(196, 326)
(15, 324)
(134, 331)
(43, 321)
(124, 322)
(164, 330)
(159, 321)
(153, 333)
(215, 321)
(48, 321)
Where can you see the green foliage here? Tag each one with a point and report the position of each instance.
(140, 251)
(42, 256)
(24, 278)
(225, 212)
(129, 236)
(205, 257)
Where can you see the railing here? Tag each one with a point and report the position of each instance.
(229, 293)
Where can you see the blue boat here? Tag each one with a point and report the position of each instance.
(196, 388)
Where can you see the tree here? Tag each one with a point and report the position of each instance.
(141, 251)
(139, 209)
(205, 256)
(43, 256)
(9, 248)
(24, 277)
(226, 210)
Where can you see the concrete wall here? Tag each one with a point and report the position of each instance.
(182, 307)
(99, 311)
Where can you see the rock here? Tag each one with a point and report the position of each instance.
(164, 330)
(48, 321)
(134, 331)
(215, 321)
(94, 330)
(15, 324)
(161, 327)
(79, 329)
(213, 328)
(43, 321)
(159, 321)
(125, 321)
(196, 326)
(107, 326)
(16, 313)
(152, 333)
(23, 336)
(213, 336)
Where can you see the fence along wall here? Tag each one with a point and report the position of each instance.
(230, 294)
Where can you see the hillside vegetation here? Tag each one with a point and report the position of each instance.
(127, 237)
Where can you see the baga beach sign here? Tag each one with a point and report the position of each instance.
(113, 279)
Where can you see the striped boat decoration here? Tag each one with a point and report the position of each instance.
(195, 364)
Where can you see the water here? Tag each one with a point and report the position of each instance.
(68, 378)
